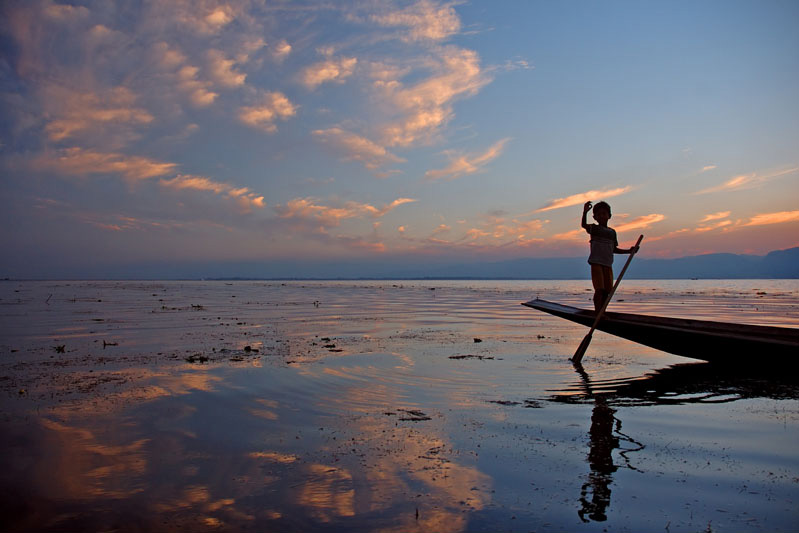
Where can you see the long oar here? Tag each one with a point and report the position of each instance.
(578, 355)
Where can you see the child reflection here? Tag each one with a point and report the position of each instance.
(595, 493)
(604, 437)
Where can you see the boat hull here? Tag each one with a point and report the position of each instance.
(699, 339)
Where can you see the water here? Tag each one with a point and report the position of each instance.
(372, 406)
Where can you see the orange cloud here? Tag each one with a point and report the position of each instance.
(357, 148)
(773, 218)
(424, 21)
(711, 227)
(331, 70)
(281, 50)
(79, 112)
(427, 106)
(222, 70)
(272, 106)
(570, 235)
(242, 195)
(581, 198)
(641, 222)
(308, 209)
(463, 164)
(715, 216)
(747, 181)
(80, 162)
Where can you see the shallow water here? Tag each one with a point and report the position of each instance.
(371, 406)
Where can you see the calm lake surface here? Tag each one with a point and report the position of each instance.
(384, 406)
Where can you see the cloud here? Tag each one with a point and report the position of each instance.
(570, 235)
(423, 21)
(331, 70)
(273, 106)
(581, 198)
(81, 162)
(202, 18)
(281, 50)
(708, 167)
(711, 227)
(95, 112)
(494, 230)
(427, 106)
(65, 12)
(463, 164)
(241, 195)
(357, 148)
(179, 72)
(715, 216)
(778, 217)
(222, 70)
(309, 209)
(747, 181)
(641, 222)
(197, 89)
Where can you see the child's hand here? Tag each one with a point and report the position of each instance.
(587, 207)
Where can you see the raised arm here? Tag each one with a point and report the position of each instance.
(584, 222)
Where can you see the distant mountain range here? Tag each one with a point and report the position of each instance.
(777, 264)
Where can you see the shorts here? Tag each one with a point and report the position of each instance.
(602, 277)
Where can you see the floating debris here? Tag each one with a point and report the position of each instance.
(470, 356)
(478, 340)
(413, 415)
(60, 348)
(504, 402)
(197, 358)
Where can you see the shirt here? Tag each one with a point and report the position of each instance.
(603, 243)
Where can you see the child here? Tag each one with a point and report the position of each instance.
(603, 246)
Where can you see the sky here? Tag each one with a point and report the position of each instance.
(174, 138)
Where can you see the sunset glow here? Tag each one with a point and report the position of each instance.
(174, 133)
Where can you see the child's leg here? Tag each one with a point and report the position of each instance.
(602, 279)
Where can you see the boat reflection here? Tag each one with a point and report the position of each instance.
(684, 384)
(679, 384)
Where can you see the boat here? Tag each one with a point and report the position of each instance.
(699, 339)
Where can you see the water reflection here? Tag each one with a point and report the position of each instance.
(605, 436)
(684, 384)
(679, 384)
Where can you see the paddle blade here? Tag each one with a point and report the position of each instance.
(578, 355)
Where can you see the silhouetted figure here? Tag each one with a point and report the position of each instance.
(603, 245)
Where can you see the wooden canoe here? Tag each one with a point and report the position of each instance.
(699, 339)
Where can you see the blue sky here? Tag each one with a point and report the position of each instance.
(178, 134)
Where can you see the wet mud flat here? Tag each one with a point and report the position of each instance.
(381, 406)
